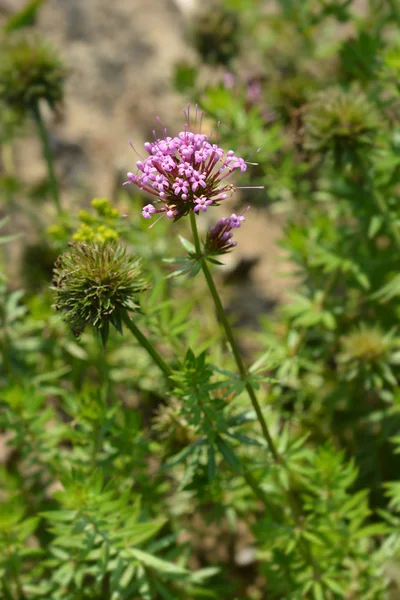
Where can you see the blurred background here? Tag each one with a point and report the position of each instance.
(129, 62)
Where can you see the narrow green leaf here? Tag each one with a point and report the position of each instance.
(158, 564)
(228, 454)
(211, 464)
(334, 586)
(141, 532)
(59, 515)
(318, 591)
(187, 245)
(26, 17)
(371, 530)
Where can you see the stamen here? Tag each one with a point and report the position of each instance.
(188, 113)
(251, 163)
(249, 187)
(217, 136)
(201, 120)
(134, 149)
(163, 129)
(156, 221)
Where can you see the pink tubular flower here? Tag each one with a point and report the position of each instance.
(185, 173)
(148, 210)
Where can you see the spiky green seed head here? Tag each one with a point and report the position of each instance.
(95, 283)
(343, 122)
(30, 71)
(366, 345)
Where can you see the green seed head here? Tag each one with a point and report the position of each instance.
(365, 345)
(340, 121)
(95, 283)
(30, 71)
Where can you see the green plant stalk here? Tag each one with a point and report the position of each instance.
(251, 481)
(44, 138)
(229, 334)
(292, 498)
(148, 346)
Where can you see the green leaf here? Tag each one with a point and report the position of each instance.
(4, 239)
(245, 439)
(158, 564)
(371, 530)
(75, 350)
(374, 226)
(203, 574)
(318, 591)
(211, 464)
(56, 374)
(334, 586)
(187, 245)
(127, 576)
(27, 527)
(311, 537)
(214, 261)
(181, 456)
(26, 17)
(264, 362)
(228, 454)
(141, 532)
(59, 515)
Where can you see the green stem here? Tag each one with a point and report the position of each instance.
(292, 497)
(148, 346)
(44, 138)
(229, 334)
(250, 479)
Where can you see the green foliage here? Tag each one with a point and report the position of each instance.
(26, 17)
(162, 466)
(216, 34)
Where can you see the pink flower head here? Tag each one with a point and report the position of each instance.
(187, 172)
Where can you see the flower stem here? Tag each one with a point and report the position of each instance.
(44, 138)
(229, 334)
(148, 346)
(293, 500)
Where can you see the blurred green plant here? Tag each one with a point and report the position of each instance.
(132, 470)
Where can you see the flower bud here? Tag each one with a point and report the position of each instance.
(219, 238)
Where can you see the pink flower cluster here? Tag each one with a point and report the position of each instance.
(219, 238)
(187, 172)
